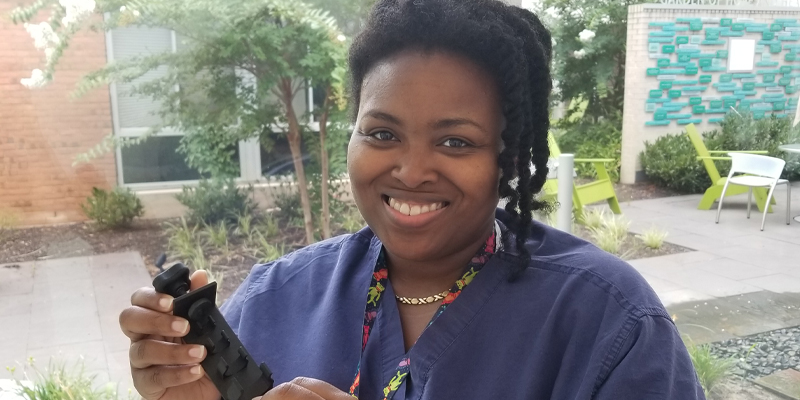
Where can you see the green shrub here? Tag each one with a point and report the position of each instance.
(216, 200)
(671, 161)
(115, 209)
(593, 140)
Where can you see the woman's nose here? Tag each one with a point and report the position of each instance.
(415, 168)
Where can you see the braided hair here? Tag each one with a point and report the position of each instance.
(512, 45)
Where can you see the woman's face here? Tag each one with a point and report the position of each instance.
(423, 157)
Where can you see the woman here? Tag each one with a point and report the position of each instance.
(442, 296)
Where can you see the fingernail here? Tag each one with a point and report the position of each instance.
(196, 351)
(180, 326)
(195, 370)
(165, 303)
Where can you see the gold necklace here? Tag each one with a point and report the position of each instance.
(416, 301)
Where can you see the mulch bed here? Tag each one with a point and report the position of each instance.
(149, 238)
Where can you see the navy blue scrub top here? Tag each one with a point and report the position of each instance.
(577, 324)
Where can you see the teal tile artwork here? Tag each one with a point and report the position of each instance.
(758, 115)
(700, 47)
(716, 120)
(678, 116)
(660, 40)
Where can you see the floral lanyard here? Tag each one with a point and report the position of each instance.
(374, 296)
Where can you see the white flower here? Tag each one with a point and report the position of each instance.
(48, 53)
(136, 13)
(586, 36)
(36, 80)
(605, 19)
(341, 38)
(43, 35)
(579, 53)
(122, 9)
(76, 10)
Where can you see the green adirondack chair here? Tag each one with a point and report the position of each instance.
(714, 192)
(582, 195)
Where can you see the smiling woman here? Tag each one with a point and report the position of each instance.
(442, 296)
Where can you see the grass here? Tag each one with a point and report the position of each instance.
(217, 236)
(184, 240)
(594, 218)
(611, 233)
(266, 251)
(352, 221)
(653, 238)
(710, 369)
(8, 220)
(60, 382)
(244, 226)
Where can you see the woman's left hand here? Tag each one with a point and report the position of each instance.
(306, 389)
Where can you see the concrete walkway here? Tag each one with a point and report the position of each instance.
(733, 257)
(68, 309)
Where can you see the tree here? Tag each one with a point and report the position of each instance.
(237, 72)
(589, 53)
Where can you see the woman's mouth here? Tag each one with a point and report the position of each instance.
(413, 209)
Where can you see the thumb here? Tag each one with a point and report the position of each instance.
(199, 279)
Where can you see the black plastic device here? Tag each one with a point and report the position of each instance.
(229, 366)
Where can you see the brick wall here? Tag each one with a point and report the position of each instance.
(42, 130)
(638, 85)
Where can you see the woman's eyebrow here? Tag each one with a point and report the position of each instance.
(384, 117)
(453, 122)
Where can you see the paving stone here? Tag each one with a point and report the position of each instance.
(786, 382)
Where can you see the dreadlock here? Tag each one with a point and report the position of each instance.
(512, 45)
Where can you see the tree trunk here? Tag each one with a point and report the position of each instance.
(295, 141)
(323, 158)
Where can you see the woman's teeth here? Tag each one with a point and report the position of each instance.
(410, 210)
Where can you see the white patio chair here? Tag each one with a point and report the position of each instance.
(759, 171)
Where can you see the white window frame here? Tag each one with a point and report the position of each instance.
(249, 150)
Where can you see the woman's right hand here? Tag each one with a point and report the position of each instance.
(163, 368)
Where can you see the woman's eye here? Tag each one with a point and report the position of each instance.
(383, 135)
(455, 143)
